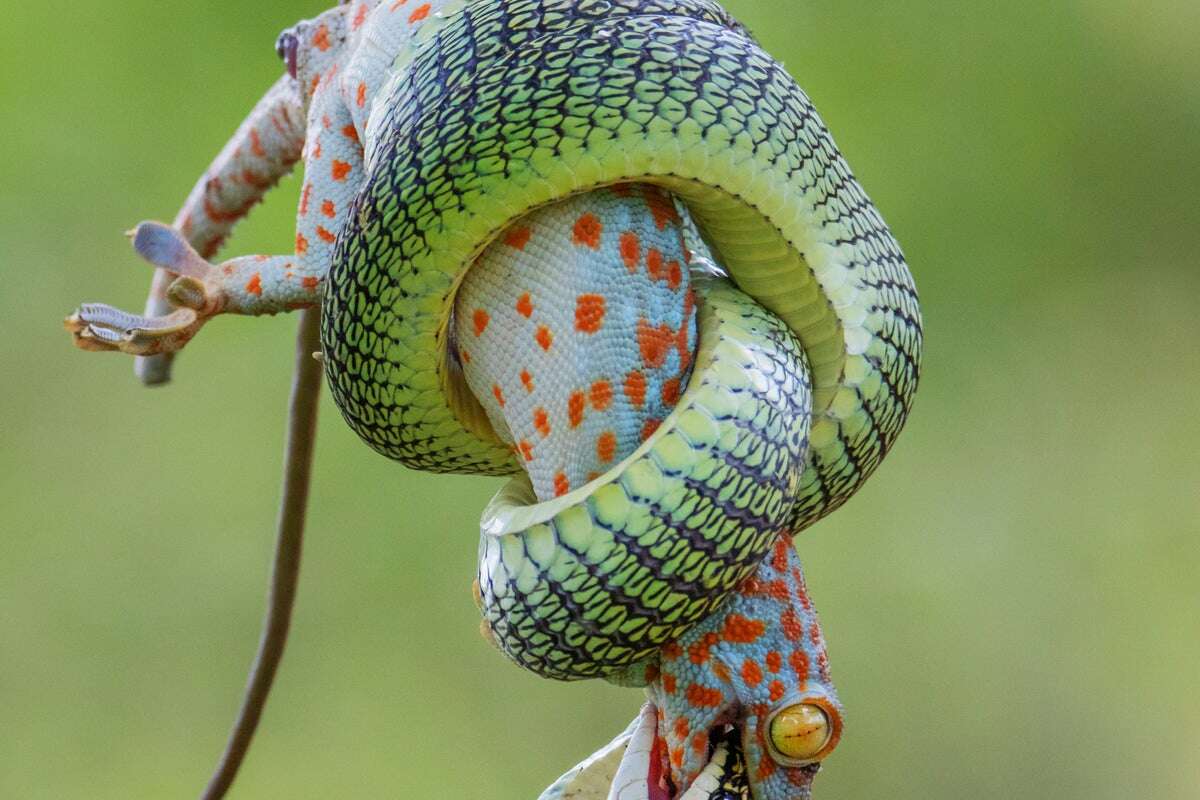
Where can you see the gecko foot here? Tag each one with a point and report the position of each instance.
(100, 327)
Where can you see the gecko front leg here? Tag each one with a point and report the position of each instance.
(251, 285)
(265, 147)
(189, 290)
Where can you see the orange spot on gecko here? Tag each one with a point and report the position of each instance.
(654, 264)
(792, 627)
(464, 355)
(702, 696)
(661, 208)
(360, 97)
(670, 392)
(606, 446)
(798, 661)
(721, 671)
(653, 343)
(326, 236)
(541, 421)
(561, 484)
(681, 346)
(328, 209)
(677, 757)
(589, 313)
(778, 590)
(525, 306)
(742, 630)
(587, 231)
(310, 282)
(526, 450)
(575, 404)
(256, 144)
(674, 274)
(601, 395)
(668, 683)
(305, 196)
(498, 393)
(254, 285)
(649, 427)
(682, 729)
(544, 337)
(301, 244)
(419, 14)
(672, 651)
(351, 133)
(480, 320)
(801, 589)
(777, 690)
(340, 170)
(320, 39)
(751, 673)
(700, 743)
(359, 17)
(631, 250)
(774, 661)
(527, 380)
(635, 388)
(518, 237)
(257, 181)
(779, 556)
(698, 652)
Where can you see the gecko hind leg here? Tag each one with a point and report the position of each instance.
(251, 285)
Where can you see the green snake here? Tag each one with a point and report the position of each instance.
(524, 103)
(431, 131)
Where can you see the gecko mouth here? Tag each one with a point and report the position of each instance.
(658, 780)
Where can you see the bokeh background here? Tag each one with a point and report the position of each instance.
(1012, 603)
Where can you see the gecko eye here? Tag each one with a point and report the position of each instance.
(804, 733)
(286, 46)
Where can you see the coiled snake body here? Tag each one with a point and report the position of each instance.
(434, 130)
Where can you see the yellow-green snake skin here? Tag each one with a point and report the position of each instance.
(520, 103)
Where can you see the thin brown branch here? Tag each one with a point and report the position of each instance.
(301, 437)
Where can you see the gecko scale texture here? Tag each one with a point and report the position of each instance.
(612, 327)
(608, 248)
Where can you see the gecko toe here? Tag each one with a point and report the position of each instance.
(97, 326)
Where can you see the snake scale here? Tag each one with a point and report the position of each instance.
(781, 365)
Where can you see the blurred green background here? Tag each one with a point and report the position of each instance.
(1012, 604)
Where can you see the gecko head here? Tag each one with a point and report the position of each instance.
(312, 49)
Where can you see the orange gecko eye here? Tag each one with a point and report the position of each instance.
(805, 732)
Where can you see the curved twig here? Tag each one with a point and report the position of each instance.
(301, 438)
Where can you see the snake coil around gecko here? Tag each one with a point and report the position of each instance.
(430, 132)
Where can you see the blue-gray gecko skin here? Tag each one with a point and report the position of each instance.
(606, 247)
